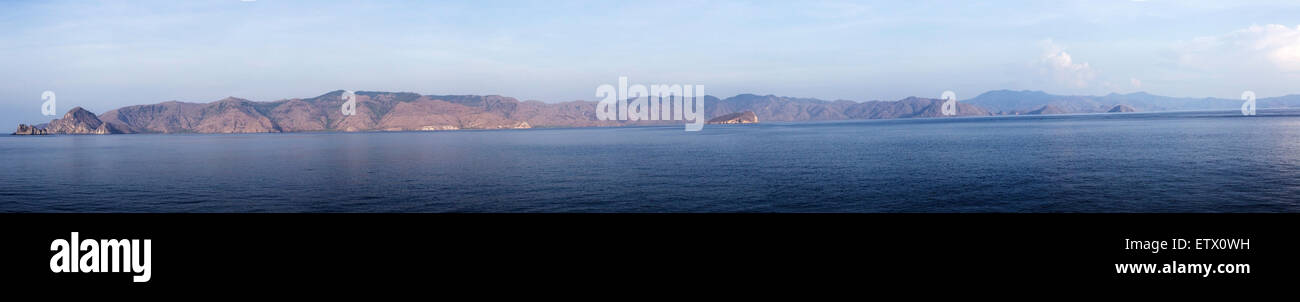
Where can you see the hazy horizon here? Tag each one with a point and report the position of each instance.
(102, 56)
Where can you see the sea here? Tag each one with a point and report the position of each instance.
(1209, 161)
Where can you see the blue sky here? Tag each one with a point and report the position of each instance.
(106, 54)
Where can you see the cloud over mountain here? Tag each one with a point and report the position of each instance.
(1060, 66)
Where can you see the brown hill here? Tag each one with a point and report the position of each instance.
(81, 121)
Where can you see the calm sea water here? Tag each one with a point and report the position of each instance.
(1144, 162)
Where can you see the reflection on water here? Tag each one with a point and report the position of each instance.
(1144, 162)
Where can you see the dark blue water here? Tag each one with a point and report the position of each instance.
(1158, 162)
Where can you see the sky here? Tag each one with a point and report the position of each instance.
(103, 55)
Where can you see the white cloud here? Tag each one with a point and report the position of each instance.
(1135, 82)
(1270, 47)
(1062, 68)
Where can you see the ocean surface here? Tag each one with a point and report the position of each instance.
(1134, 162)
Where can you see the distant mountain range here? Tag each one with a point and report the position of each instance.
(402, 111)
(1038, 102)
(788, 109)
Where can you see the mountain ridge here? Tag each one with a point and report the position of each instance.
(407, 111)
(1025, 101)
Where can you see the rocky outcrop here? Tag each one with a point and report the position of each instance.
(76, 121)
(1122, 108)
(747, 117)
(24, 129)
(81, 121)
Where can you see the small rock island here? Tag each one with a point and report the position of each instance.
(24, 129)
(746, 117)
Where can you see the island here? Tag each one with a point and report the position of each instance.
(745, 117)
